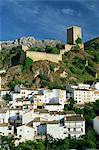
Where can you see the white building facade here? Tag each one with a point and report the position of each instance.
(96, 124)
(83, 93)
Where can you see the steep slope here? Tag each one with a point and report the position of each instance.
(77, 66)
(92, 48)
(94, 43)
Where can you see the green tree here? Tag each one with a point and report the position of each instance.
(76, 48)
(7, 97)
(7, 143)
(11, 85)
(97, 57)
(65, 144)
(78, 40)
(31, 145)
(59, 45)
(72, 103)
(17, 49)
(89, 139)
(27, 64)
(89, 114)
(53, 50)
(96, 107)
(66, 107)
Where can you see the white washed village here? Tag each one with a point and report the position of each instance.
(34, 114)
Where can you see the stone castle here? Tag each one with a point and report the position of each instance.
(73, 33)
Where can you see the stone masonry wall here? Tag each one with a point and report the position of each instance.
(36, 56)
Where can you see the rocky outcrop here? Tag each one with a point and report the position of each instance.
(30, 42)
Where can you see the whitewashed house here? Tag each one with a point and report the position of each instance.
(24, 93)
(6, 129)
(28, 116)
(27, 92)
(3, 92)
(82, 96)
(46, 96)
(20, 104)
(25, 132)
(69, 126)
(74, 125)
(96, 95)
(3, 116)
(60, 126)
(96, 124)
(83, 93)
(54, 107)
(6, 113)
(95, 86)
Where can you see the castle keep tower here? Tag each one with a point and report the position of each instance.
(73, 33)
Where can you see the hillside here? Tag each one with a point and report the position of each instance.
(77, 66)
(92, 48)
(94, 43)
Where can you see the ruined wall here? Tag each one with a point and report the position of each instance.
(36, 56)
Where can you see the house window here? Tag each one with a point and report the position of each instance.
(9, 128)
(68, 129)
(69, 136)
(20, 136)
(23, 92)
(35, 132)
(74, 129)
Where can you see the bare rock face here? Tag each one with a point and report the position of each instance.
(37, 72)
(30, 42)
(63, 74)
(51, 42)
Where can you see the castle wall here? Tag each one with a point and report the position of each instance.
(68, 47)
(72, 34)
(36, 56)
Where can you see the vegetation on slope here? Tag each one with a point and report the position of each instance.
(92, 47)
(77, 66)
(11, 57)
(48, 49)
